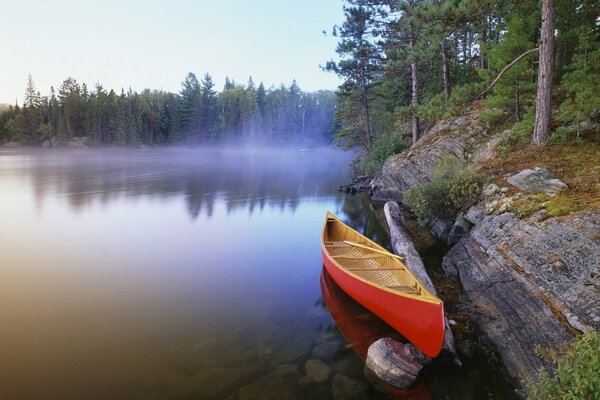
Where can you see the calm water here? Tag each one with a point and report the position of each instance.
(169, 273)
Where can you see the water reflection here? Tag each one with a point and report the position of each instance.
(238, 178)
(167, 274)
(361, 328)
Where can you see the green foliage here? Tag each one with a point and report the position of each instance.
(385, 146)
(521, 134)
(560, 135)
(453, 188)
(493, 116)
(434, 109)
(582, 82)
(515, 91)
(576, 374)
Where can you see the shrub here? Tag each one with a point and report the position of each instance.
(522, 134)
(384, 146)
(453, 188)
(576, 374)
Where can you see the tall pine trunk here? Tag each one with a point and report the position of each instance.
(543, 107)
(416, 132)
(367, 109)
(445, 71)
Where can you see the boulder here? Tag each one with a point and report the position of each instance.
(12, 145)
(459, 229)
(398, 364)
(537, 180)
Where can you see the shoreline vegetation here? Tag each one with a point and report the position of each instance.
(75, 116)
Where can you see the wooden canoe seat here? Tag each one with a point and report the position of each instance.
(338, 244)
(405, 289)
(351, 256)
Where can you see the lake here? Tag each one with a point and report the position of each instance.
(169, 273)
(189, 274)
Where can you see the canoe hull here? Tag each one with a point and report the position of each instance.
(422, 323)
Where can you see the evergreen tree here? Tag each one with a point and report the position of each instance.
(543, 111)
(361, 65)
(209, 107)
(190, 112)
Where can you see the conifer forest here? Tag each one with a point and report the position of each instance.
(197, 115)
(408, 64)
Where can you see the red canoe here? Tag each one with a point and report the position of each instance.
(381, 282)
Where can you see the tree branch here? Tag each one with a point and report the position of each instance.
(516, 60)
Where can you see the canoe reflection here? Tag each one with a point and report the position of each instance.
(361, 328)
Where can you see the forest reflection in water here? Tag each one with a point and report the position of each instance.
(167, 273)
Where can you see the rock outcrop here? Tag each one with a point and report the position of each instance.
(529, 283)
(458, 137)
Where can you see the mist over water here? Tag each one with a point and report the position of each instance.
(134, 274)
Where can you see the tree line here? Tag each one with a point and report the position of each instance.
(409, 63)
(198, 114)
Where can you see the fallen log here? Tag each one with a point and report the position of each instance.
(403, 246)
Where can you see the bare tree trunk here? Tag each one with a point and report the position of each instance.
(543, 107)
(369, 141)
(416, 132)
(445, 71)
(517, 98)
(482, 42)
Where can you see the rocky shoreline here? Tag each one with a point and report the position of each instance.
(527, 283)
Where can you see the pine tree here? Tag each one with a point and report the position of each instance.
(361, 65)
(190, 111)
(209, 107)
(543, 110)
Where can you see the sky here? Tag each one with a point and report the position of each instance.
(154, 44)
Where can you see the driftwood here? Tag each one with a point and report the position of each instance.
(403, 246)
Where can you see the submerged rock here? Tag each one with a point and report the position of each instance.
(537, 180)
(281, 384)
(293, 350)
(316, 371)
(344, 388)
(211, 382)
(326, 350)
(396, 363)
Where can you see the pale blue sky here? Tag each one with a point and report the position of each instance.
(154, 44)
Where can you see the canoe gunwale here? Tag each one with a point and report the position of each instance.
(424, 296)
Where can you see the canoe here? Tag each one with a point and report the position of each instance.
(381, 282)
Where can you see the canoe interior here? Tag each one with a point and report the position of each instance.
(366, 259)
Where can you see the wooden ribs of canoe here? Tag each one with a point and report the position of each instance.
(380, 281)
